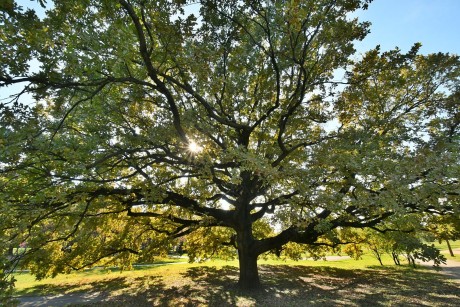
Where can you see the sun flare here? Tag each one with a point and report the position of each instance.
(193, 147)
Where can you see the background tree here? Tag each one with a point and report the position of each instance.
(377, 243)
(445, 228)
(412, 247)
(405, 235)
(397, 243)
(225, 126)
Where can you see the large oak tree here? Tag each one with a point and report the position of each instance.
(247, 125)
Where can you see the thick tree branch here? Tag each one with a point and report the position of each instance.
(269, 207)
(152, 71)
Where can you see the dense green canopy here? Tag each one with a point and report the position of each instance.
(247, 125)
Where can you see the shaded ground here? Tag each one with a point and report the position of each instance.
(283, 286)
(453, 267)
(63, 299)
(452, 270)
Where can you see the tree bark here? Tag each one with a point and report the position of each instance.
(395, 258)
(247, 252)
(451, 252)
(379, 257)
(249, 273)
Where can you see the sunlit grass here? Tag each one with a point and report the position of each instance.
(443, 245)
(345, 281)
(455, 245)
(27, 284)
(171, 270)
(285, 283)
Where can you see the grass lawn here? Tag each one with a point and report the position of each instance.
(443, 244)
(455, 247)
(285, 283)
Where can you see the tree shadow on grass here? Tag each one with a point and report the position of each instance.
(53, 289)
(84, 293)
(307, 286)
(322, 286)
(283, 285)
(326, 286)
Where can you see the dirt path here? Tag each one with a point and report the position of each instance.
(452, 270)
(61, 299)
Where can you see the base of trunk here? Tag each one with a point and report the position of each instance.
(249, 274)
(249, 284)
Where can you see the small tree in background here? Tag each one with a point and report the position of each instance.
(377, 243)
(445, 228)
(414, 249)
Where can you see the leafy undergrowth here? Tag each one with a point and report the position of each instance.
(283, 285)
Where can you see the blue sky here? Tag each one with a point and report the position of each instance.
(434, 23)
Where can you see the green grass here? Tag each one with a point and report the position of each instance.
(26, 284)
(78, 281)
(443, 245)
(285, 283)
(444, 249)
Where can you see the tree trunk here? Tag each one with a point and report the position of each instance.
(395, 258)
(249, 274)
(451, 252)
(379, 258)
(247, 253)
(411, 260)
(376, 253)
